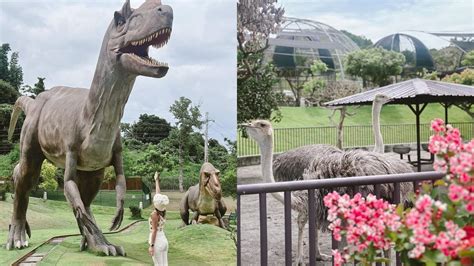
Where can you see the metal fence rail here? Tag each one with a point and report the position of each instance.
(354, 136)
(310, 185)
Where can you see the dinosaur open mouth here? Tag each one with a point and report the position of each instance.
(138, 49)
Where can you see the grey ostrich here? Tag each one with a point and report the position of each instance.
(379, 101)
(291, 164)
(324, 161)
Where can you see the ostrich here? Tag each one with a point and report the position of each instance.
(291, 164)
(326, 162)
(379, 101)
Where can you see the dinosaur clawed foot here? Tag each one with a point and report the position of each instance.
(93, 239)
(17, 234)
(101, 245)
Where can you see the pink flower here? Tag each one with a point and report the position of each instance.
(370, 224)
(456, 192)
(437, 125)
(470, 207)
(338, 259)
(416, 252)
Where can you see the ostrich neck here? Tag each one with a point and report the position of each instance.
(266, 150)
(109, 92)
(376, 109)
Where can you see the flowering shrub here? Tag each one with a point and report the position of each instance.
(438, 229)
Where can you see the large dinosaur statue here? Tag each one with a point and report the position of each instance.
(79, 129)
(204, 198)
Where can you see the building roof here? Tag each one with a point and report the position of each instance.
(412, 91)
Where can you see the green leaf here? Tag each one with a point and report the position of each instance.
(454, 263)
(384, 260)
(399, 210)
(439, 182)
(466, 253)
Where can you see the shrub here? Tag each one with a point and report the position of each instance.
(48, 173)
(136, 212)
(438, 229)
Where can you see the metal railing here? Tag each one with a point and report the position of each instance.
(354, 136)
(311, 185)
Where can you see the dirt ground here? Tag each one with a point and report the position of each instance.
(250, 225)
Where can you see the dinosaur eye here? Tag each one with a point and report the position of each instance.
(121, 22)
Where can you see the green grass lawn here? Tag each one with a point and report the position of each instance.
(391, 114)
(311, 125)
(188, 245)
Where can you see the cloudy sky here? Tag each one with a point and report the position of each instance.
(376, 19)
(60, 40)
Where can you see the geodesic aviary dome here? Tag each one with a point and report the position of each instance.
(415, 52)
(311, 40)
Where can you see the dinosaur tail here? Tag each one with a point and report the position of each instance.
(21, 104)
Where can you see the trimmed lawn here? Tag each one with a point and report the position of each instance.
(311, 125)
(190, 245)
(391, 114)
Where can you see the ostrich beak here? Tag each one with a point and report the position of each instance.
(245, 124)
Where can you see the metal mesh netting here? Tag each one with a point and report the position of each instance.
(416, 53)
(311, 40)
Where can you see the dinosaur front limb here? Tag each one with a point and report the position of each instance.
(120, 189)
(218, 213)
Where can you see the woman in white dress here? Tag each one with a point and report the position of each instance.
(158, 248)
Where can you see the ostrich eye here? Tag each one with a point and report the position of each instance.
(262, 125)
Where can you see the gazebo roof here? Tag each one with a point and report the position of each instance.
(412, 91)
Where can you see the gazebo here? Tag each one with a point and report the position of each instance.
(416, 93)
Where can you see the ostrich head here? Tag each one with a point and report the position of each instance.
(259, 130)
(381, 99)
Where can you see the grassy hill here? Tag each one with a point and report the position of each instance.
(188, 246)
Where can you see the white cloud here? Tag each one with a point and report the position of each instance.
(377, 19)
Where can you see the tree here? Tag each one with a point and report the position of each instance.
(296, 76)
(256, 97)
(376, 65)
(149, 129)
(48, 174)
(467, 78)
(15, 72)
(256, 20)
(468, 59)
(360, 40)
(35, 90)
(126, 130)
(4, 50)
(187, 117)
(8, 94)
(152, 160)
(229, 172)
(336, 90)
(446, 59)
(316, 86)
